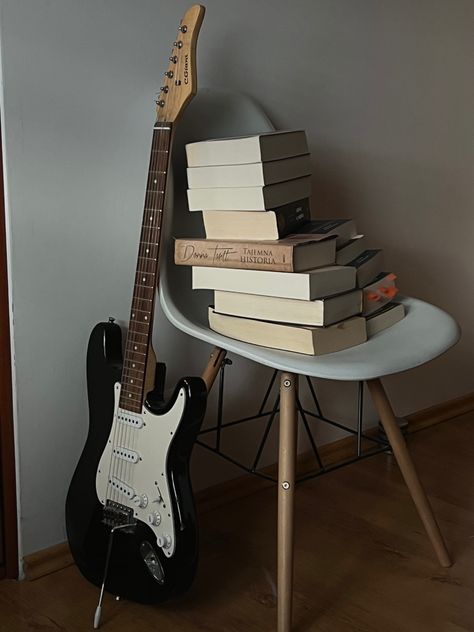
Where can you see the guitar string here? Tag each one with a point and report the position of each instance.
(128, 435)
(154, 202)
(142, 292)
(123, 430)
(121, 435)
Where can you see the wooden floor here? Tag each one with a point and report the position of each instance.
(363, 563)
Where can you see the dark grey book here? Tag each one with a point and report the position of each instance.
(368, 265)
(344, 229)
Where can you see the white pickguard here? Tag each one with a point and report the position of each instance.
(132, 469)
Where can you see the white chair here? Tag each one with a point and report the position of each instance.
(425, 333)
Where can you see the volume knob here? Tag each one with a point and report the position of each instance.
(154, 518)
(141, 501)
(164, 541)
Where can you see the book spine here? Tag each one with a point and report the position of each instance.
(292, 216)
(234, 254)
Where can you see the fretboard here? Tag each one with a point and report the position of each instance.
(146, 277)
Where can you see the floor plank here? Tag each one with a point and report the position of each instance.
(363, 562)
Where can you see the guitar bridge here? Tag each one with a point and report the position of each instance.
(116, 515)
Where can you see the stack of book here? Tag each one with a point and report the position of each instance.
(280, 279)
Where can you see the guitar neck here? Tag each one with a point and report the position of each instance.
(138, 342)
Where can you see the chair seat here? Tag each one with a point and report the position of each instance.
(425, 333)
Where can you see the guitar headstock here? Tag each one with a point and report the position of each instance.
(180, 82)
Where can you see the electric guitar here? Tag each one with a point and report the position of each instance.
(130, 513)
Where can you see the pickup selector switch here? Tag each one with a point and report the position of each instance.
(154, 518)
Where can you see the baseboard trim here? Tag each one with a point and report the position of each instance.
(56, 557)
(47, 561)
(439, 413)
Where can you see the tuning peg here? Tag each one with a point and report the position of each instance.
(164, 89)
(183, 28)
(169, 74)
(173, 58)
(160, 103)
(178, 44)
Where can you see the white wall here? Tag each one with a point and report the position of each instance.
(385, 94)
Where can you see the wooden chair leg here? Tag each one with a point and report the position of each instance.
(286, 487)
(408, 470)
(213, 365)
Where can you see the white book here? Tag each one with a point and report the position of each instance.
(300, 285)
(308, 340)
(245, 149)
(253, 174)
(317, 313)
(259, 198)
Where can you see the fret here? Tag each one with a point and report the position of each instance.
(134, 328)
(135, 342)
(128, 395)
(129, 386)
(140, 298)
(133, 408)
(135, 346)
(133, 363)
(138, 333)
(139, 323)
(136, 324)
(136, 352)
(143, 277)
(140, 272)
(152, 171)
(136, 309)
(131, 375)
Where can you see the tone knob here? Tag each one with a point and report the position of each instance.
(154, 518)
(141, 501)
(164, 541)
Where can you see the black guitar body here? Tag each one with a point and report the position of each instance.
(129, 575)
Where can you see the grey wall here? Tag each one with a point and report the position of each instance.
(384, 91)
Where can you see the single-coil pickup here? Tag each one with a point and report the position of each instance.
(121, 487)
(131, 420)
(126, 455)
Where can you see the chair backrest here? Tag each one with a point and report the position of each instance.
(212, 114)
